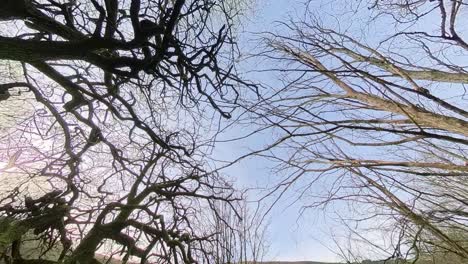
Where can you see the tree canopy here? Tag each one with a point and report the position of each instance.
(111, 113)
(120, 100)
(374, 123)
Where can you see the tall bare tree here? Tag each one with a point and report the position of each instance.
(381, 128)
(110, 155)
(241, 234)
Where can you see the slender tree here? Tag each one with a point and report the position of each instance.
(241, 235)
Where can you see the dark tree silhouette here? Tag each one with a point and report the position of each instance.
(108, 108)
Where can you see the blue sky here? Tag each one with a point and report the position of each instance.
(290, 237)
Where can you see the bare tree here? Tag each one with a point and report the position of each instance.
(241, 234)
(380, 129)
(110, 155)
